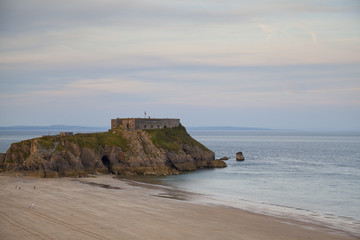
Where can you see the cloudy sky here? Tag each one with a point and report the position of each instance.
(261, 63)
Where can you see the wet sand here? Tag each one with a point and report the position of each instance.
(105, 208)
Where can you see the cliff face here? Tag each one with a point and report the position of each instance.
(150, 152)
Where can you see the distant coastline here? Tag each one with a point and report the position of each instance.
(226, 128)
(53, 127)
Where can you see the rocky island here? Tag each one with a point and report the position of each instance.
(125, 149)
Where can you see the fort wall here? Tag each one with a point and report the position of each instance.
(144, 123)
(65, 134)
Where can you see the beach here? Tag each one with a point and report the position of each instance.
(102, 207)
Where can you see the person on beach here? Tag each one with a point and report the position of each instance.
(34, 187)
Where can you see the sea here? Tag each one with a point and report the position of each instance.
(307, 175)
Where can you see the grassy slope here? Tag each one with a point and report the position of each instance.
(90, 140)
(172, 139)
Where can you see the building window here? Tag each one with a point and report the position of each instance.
(144, 126)
(152, 126)
(158, 126)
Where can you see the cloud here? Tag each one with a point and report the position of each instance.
(209, 87)
(117, 86)
(192, 54)
(137, 34)
(267, 29)
(307, 30)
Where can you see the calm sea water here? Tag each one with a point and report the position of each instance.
(316, 173)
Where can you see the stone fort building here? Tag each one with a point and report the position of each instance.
(144, 123)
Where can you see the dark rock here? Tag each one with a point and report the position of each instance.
(239, 156)
(2, 159)
(224, 158)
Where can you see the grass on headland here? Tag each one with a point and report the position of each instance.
(89, 140)
(172, 139)
(94, 140)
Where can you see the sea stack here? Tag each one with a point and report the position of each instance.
(239, 156)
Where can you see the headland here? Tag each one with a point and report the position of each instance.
(132, 146)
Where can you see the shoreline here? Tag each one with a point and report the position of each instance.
(332, 222)
(102, 207)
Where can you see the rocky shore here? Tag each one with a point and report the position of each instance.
(118, 151)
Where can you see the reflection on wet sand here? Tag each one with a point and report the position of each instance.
(107, 186)
(164, 190)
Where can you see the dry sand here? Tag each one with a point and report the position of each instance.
(105, 208)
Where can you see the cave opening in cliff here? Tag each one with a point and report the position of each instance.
(105, 160)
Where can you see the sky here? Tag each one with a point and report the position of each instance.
(263, 63)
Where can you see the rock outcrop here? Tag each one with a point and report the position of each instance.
(141, 152)
(240, 156)
(2, 158)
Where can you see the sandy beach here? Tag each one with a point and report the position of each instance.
(102, 207)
